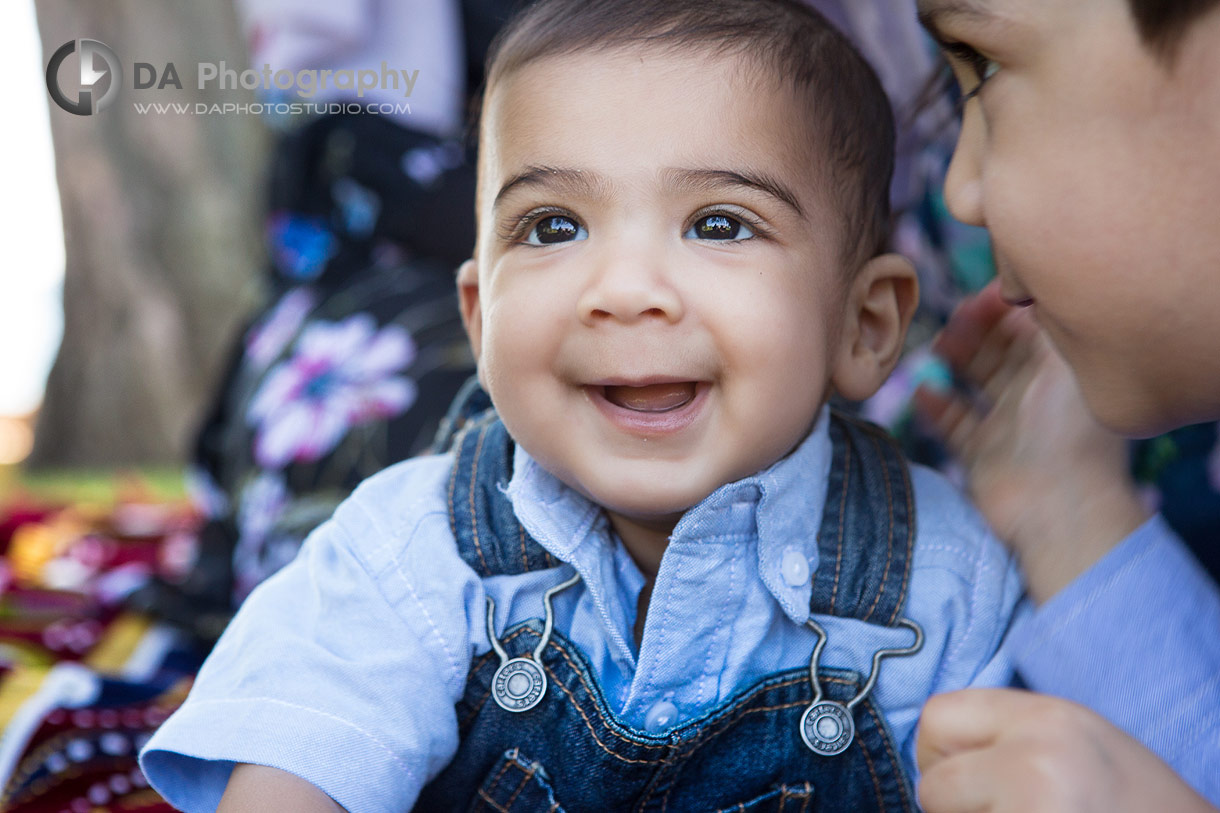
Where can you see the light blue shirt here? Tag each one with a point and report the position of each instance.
(344, 668)
(1137, 639)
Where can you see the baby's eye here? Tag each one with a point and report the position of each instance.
(719, 227)
(555, 229)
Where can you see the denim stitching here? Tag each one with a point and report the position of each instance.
(495, 783)
(707, 734)
(737, 715)
(908, 490)
(842, 515)
(525, 562)
(872, 772)
(885, 740)
(492, 802)
(576, 705)
(581, 677)
(528, 775)
(696, 744)
(889, 506)
(474, 519)
(458, 446)
(808, 796)
(469, 718)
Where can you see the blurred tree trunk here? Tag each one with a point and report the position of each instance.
(162, 221)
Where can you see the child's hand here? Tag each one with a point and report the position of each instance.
(1051, 481)
(1008, 751)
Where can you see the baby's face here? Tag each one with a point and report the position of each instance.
(658, 292)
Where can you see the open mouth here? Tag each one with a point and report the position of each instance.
(664, 397)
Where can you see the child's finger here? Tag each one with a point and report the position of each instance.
(1009, 355)
(961, 783)
(1006, 341)
(951, 415)
(969, 323)
(966, 720)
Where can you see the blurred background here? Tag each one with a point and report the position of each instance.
(163, 242)
(31, 317)
(214, 325)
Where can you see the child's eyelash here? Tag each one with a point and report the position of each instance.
(756, 224)
(968, 55)
(515, 228)
(977, 62)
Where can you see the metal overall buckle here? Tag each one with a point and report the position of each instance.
(827, 727)
(520, 683)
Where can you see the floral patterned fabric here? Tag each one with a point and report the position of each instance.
(349, 367)
(83, 680)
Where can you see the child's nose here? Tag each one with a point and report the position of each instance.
(628, 287)
(964, 182)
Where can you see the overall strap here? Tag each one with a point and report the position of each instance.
(868, 526)
(864, 545)
(489, 537)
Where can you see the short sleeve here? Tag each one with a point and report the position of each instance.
(965, 591)
(343, 669)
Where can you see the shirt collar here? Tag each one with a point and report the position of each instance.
(780, 506)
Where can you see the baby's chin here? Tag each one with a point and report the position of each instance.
(652, 510)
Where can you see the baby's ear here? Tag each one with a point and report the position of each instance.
(880, 303)
(468, 300)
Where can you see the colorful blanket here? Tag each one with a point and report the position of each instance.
(83, 681)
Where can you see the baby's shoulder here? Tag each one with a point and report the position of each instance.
(400, 504)
(951, 534)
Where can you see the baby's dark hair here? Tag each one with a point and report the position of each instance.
(1163, 23)
(849, 115)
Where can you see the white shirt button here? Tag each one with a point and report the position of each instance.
(661, 716)
(795, 567)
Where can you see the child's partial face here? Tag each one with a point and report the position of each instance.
(1097, 171)
(659, 288)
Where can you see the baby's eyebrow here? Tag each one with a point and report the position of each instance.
(710, 180)
(572, 181)
(584, 183)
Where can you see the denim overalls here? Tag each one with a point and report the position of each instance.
(571, 753)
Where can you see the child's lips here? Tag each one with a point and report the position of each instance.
(661, 397)
(652, 407)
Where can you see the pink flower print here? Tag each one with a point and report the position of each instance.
(341, 374)
(269, 338)
(260, 505)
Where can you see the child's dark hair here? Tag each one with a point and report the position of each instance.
(850, 117)
(1162, 23)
